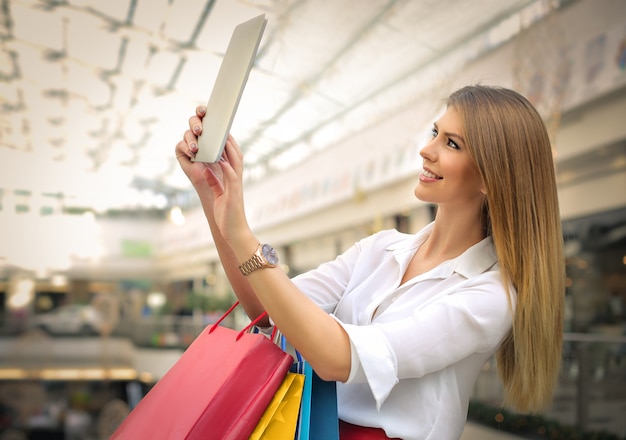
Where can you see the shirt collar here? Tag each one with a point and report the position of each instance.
(474, 261)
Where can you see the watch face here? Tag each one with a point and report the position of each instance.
(269, 253)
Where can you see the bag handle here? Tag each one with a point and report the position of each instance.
(246, 328)
(276, 334)
(214, 326)
(280, 340)
(252, 324)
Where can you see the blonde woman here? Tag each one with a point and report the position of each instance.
(404, 322)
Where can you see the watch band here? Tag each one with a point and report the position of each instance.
(255, 262)
(258, 260)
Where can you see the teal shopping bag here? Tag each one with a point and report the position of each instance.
(318, 419)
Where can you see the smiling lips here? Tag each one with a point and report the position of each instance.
(430, 175)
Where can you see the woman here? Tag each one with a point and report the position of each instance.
(403, 322)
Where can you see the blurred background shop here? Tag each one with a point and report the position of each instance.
(107, 269)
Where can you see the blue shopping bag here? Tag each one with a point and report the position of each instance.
(318, 419)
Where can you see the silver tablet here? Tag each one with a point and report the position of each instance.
(229, 84)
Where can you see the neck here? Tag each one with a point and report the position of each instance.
(453, 233)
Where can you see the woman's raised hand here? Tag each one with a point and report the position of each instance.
(220, 184)
(186, 149)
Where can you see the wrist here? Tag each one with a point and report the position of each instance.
(264, 256)
(243, 245)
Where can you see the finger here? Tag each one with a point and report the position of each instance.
(195, 125)
(214, 181)
(201, 111)
(229, 176)
(192, 140)
(234, 155)
(236, 145)
(182, 151)
(183, 146)
(188, 145)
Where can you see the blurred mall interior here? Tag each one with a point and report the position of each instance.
(107, 267)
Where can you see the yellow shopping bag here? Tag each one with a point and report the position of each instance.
(281, 416)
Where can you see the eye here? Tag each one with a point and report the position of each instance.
(452, 144)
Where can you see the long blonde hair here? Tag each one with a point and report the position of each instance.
(510, 145)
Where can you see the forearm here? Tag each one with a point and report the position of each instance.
(207, 180)
(315, 334)
(240, 285)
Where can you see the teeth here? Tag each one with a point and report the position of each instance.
(429, 174)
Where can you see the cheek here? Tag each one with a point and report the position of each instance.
(471, 177)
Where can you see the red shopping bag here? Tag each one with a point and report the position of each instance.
(218, 389)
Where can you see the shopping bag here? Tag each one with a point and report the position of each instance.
(218, 389)
(318, 418)
(280, 418)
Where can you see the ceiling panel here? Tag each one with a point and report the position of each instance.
(96, 93)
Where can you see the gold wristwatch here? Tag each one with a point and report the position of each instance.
(264, 256)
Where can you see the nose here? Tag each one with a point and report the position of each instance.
(428, 151)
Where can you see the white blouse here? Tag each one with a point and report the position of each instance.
(417, 348)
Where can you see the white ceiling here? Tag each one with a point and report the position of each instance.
(96, 93)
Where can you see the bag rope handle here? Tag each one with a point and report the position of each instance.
(252, 324)
(246, 328)
(214, 326)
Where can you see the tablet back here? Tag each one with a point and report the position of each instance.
(229, 85)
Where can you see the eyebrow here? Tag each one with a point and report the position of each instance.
(452, 135)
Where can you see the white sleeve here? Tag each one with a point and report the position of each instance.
(326, 284)
(473, 318)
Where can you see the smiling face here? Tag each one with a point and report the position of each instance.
(450, 176)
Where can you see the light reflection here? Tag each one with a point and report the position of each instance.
(176, 216)
(82, 374)
(22, 294)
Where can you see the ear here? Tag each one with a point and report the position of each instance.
(483, 190)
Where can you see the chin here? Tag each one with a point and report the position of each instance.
(421, 196)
